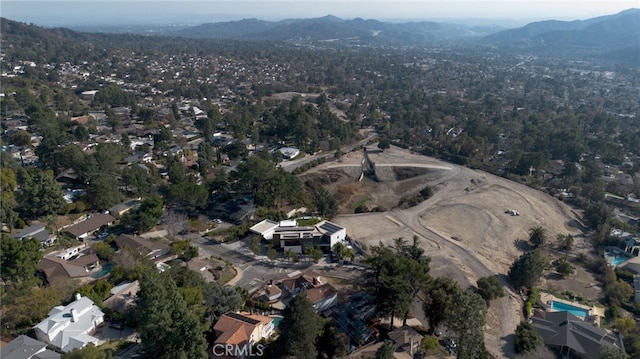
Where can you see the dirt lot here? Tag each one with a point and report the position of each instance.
(463, 226)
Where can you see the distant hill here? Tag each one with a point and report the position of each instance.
(334, 29)
(613, 34)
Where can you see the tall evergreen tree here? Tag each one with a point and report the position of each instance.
(466, 318)
(300, 328)
(167, 329)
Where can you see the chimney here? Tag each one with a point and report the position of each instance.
(78, 296)
(74, 315)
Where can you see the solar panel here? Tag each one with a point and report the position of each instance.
(243, 318)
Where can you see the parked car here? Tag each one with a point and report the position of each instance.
(116, 325)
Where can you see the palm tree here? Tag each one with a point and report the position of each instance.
(537, 236)
(566, 240)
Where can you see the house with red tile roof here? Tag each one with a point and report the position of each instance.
(240, 330)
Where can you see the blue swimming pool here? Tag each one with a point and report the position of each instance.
(276, 321)
(106, 268)
(563, 307)
(617, 260)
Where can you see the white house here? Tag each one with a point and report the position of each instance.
(289, 236)
(71, 327)
(24, 347)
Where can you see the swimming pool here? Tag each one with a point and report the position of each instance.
(563, 307)
(276, 321)
(617, 260)
(103, 271)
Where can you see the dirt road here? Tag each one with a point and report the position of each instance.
(463, 226)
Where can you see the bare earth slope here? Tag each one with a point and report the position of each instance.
(463, 226)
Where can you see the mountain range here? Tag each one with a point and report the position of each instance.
(612, 37)
(605, 36)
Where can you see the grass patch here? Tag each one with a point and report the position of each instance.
(308, 222)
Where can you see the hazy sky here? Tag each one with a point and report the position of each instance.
(98, 12)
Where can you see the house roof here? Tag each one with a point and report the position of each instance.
(566, 329)
(139, 244)
(28, 231)
(404, 338)
(57, 269)
(236, 328)
(91, 224)
(329, 228)
(264, 226)
(304, 280)
(24, 347)
(320, 293)
(66, 332)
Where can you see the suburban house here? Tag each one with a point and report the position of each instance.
(139, 157)
(289, 153)
(122, 296)
(287, 235)
(24, 347)
(71, 326)
(240, 329)
(37, 231)
(320, 293)
(322, 297)
(83, 229)
(144, 246)
(572, 335)
(119, 210)
(406, 341)
(58, 269)
(353, 315)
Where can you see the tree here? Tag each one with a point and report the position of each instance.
(272, 254)
(624, 325)
(439, 295)
(19, 259)
(220, 299)
(527, 338)
(537, 236)
(490, 288)
(566, 240)
(466, 318)
(325, 203)
(564, 268)
(384, 144)
(526, 270)
(332, 343)
(103, 250)
(610, 352)
(619, 292)
(167, 329)
(40, 195)
(386, 350)
(299, 329)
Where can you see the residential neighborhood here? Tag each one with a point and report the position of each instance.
(190, 196)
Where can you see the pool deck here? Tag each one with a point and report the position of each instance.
(594, 312)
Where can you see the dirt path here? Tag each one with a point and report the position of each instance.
(469, 205)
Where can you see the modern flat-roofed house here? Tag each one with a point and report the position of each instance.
(144, 246)
(289, 236)
(83, 229)
(37, 231)
(24, 347)
(72, 326)
(241, 329)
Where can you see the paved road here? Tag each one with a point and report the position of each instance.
(254, 270)
(290, 166)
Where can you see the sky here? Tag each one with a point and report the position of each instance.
(100, 12)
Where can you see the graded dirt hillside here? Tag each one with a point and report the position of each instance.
(463, 227)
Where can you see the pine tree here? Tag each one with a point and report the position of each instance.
(300, 328)
(167, 329)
